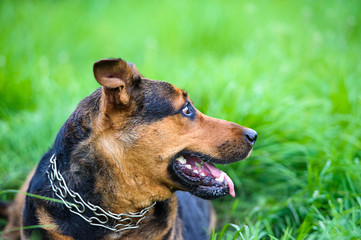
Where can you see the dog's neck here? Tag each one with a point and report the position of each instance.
(102, 184)
(120, 223)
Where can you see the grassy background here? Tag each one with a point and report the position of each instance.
(289, 69)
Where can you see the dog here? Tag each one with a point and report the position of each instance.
(135, 160)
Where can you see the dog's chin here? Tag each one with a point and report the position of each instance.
(197, 175)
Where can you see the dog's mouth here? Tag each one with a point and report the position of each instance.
(199, 176)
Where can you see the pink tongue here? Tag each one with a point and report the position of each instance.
(230, 185)
(217, 173)
(214, 171)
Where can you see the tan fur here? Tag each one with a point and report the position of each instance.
(11, 231)
(148, 229)
(46, 220)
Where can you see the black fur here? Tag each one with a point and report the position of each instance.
(158, 100)
(76, 129)
(192, 210)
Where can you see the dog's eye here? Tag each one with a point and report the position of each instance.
(187, 111)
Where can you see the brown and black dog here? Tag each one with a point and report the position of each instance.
(119, 159)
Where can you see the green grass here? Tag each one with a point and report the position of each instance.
(288, 69)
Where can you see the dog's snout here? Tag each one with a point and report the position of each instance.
(250, 135)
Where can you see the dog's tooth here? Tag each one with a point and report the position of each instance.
(196, 171)
(188, 166)
(182, 160)
(202, 174)
(221, 177)
(198, 165)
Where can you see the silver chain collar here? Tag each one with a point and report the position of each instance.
(101, 217)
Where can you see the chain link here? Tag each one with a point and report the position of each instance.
(102, 218)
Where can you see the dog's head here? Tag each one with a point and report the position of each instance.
(152, 135)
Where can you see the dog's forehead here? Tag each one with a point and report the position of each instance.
(162, 89)
(154, 86)
(162, 99)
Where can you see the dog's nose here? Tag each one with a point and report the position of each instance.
(251, 135)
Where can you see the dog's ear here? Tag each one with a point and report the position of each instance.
(134, 69)
(117, 79)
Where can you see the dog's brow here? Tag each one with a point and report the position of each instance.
(185, 94)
